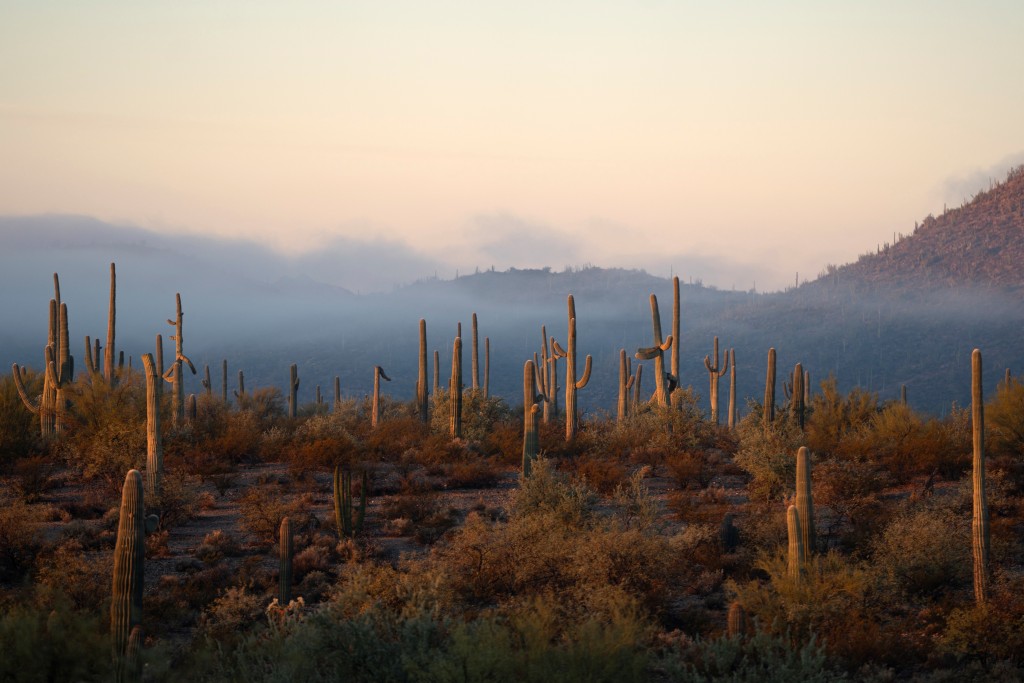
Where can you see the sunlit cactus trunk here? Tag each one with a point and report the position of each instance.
(715, 372)
(769, 391)
(572, 385)
(979, 521)
(455, 390)
(636, 386)
(109, 370)
(476, 356)
(421, 380)
(657, 352)
(796, 555)
(129, 550)
(804, 500)
(530, 410)
(625, 383)
(548, 372)
(154, 445)
(676, 341)
(378, 375)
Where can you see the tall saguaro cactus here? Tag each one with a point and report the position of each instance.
(293, 390)
(797, 553)
(378, 375)
(344, 502)
(421, 380)
(796, 402)
(58, 370)
(129, 551)
(625, 383)
(154, 445)
(109, 357)
(657, 352)
(732, 389)
(572, 385)
(769, 391)
(476, 356)
(455, 390)
(174, 375)
(979, 520)
(676, 341)
(804, 501)
(715, 372)
(530, 410)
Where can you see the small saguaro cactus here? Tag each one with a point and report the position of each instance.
(572, 385)
(676, 341)
(455, 390)
(737, 621)
(769, 391)
(476, 356)
(154, 445)
(286, 543)
(240, 392)
(190, 408)
(337, 393)
(732, 389)
(129, 551)
(293, 390)
(343, 505)
(173, 374)
(804, 500)
(636, 386)
(796, 556)
(421, 379)
(206, 381)
(530, 410)
(626, 380)
(979, 520)
(657, 352)
(715, 372)
(319, 396)
(378, 375)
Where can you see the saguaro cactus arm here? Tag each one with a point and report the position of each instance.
(33, 406)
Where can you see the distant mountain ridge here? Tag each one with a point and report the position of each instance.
(980, 243)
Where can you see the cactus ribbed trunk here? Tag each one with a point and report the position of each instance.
(715, 373)
(657, 352)
(337, 393)
(129, 550)
(572, 385)
(732, 389)
(807, 388)
(286, 540)
(378, 375)
(796, 556)
(769, 391)
(636, 386)
(455, 390)
(240, 394)
(293, 390)
(674, 369)
(476, 356)
(421, 380)
(206, 381)
(109, 357)
(804, 500)
(737, 623)
(174, 374)
(979, 521)
(548, 370)
(625, 382)
(796, 403)
(154, 445)
(530, 410)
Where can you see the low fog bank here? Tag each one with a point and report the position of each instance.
(241, 307)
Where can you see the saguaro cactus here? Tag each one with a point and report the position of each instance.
(572, 385)
(286, 546)
(657, 352)
(737, 620)
(796, 399)
(455, 390)
(530, 410)
(421, 380)
(109, 371)
(190, 408)
(337, 393)
(240, 393)
(769, 391)
(979, 520)
(804, 501)
(715, 372)
(293, 390)
(378, 375)
(548, 370)
(129, 550)
(676, 341)
(636, 386)
(732, 389)
(343, 506)
(797, 556)
(625, 382)
(173, 374)
(154, 445)
(476, 356)
(206, 381)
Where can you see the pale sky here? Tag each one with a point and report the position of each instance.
(733, 141)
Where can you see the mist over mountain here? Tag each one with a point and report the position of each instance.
(908, 314)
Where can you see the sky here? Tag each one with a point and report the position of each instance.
(737, 142)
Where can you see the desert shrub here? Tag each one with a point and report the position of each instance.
(989, 632)
(925, 549)
(178, 499)
(479, 414)
(601, 473)
(83, 578)
(110, 443)
(263, 507)
(265, 403)
(693, 467)
(547, 490)
(474, 472)
(762, 658)
(850, 490)
(230, 616)
(53, 642)
(1004, 431)
(19, 429)
(216, 546)
(33, 476)
(834, 417)
(768, 456)
(20, 539)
